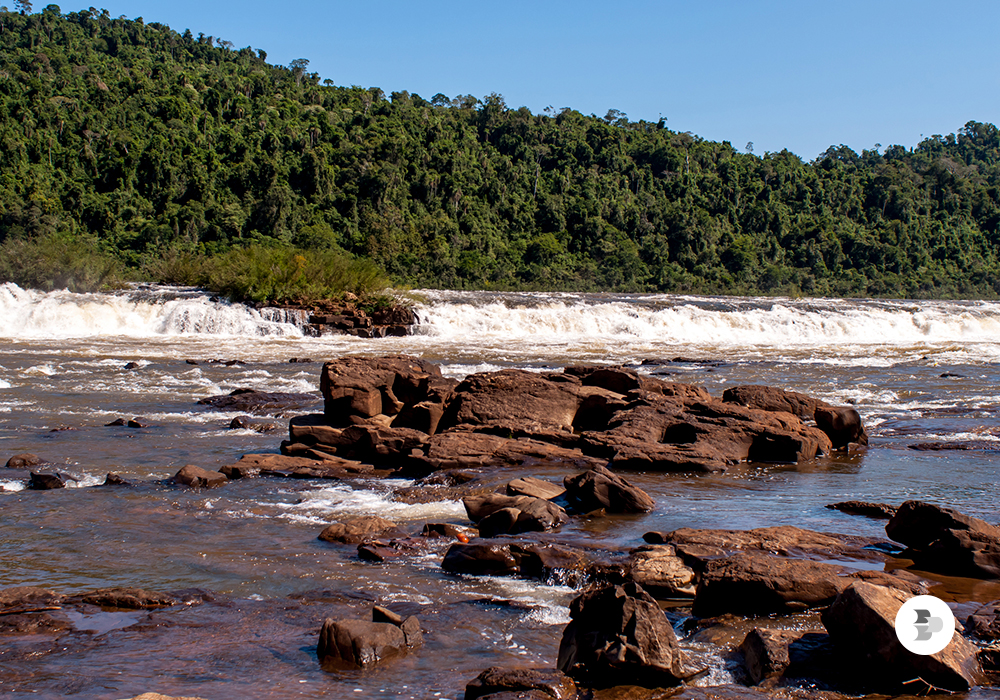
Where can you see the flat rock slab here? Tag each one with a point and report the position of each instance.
(700, 545)
(549, 683)
(266, 403)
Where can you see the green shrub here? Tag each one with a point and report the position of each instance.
(59, 261)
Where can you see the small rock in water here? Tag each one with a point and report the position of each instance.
(192, 362)
(113, 479)
(198, 477)
(117, 422)
(45, 482)
(300, 359)
(24, 460)
(137, 423)
(880, 511)
(132, 365)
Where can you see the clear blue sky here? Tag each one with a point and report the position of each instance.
(798, 75)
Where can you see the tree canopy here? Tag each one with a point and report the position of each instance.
(146, 141)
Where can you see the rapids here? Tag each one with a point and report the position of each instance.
(916, 371)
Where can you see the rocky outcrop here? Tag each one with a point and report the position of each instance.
(698, 546)
(946, 541)
(549, 683)
(361, 644)
(619, 636)
(842, 424)
(401, 411)
(862, 623)
(496, 514)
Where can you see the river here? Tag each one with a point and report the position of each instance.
(917, 371)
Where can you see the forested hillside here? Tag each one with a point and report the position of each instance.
(148, 144)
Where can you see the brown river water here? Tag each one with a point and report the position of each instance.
(917, 371)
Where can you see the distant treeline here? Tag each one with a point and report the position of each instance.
(147, 145)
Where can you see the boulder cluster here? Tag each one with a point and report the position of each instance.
(402, 412)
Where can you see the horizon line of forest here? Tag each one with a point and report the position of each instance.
(131, 151)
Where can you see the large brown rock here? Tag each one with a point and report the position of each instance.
(504, 558)
(362, 643)
(862, 622)
(513, 396)
(946, 541)
(359, 643)
(917, 524)
(550, 683)
(984, 623)
(366, 387)
(537, 488)
(618, 635)
(842, 424)
(599, 488)
(758, 584)
(533, 514)
(697, 546)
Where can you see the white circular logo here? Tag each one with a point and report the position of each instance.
(925, 625)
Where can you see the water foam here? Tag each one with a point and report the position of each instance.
(707, 321)
(146, 312)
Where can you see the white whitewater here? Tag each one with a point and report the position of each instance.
(136, 313)
(716, 321)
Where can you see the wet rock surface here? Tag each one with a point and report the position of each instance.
(946, 541)
(861, 621)
(584, 416)
(261, 402)
(618, 635)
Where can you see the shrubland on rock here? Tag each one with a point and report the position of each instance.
(862, 623)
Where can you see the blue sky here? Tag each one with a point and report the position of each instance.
(796, 75)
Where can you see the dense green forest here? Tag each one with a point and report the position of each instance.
(126, 141)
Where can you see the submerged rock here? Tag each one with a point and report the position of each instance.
(128, 598)
(261, 402)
